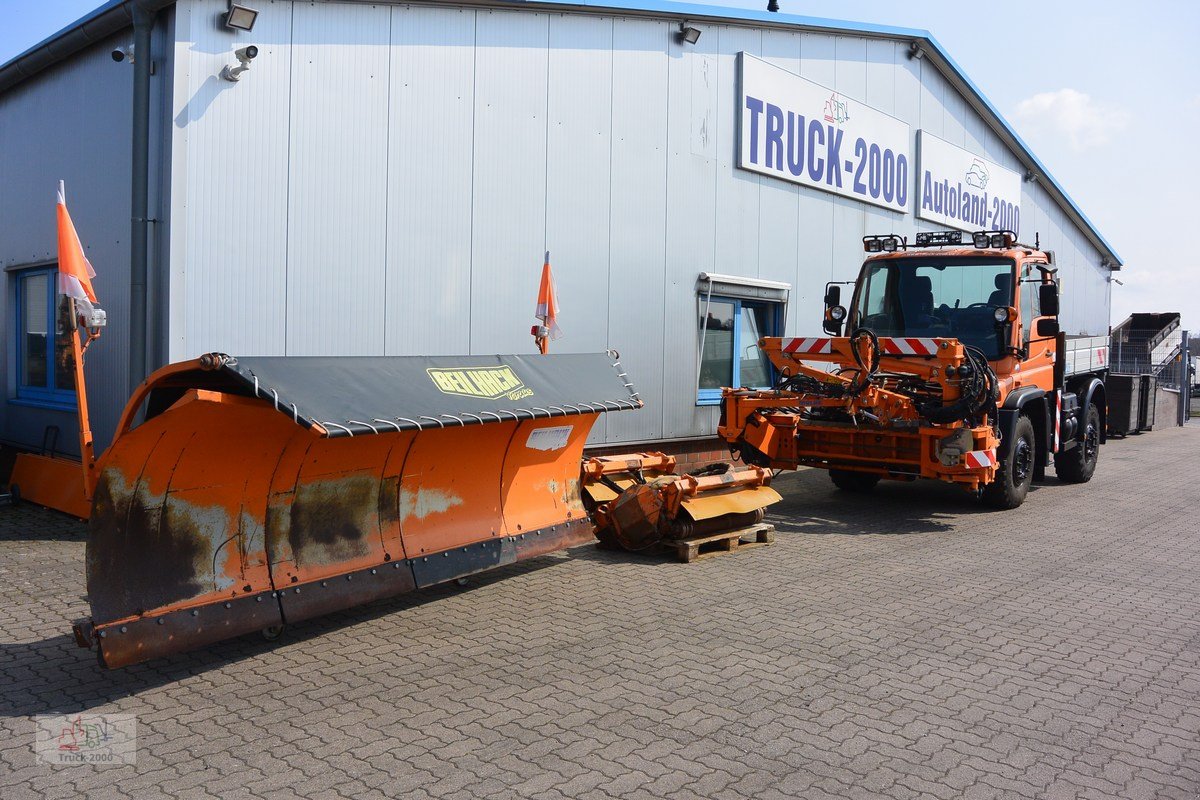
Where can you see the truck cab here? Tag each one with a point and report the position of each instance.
(1000, 299)
(949, 364)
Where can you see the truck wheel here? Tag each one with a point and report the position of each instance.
(849, 481)
(1078, 464)
(1015, 471)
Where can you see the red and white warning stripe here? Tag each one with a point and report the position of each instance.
(909, 347)
(980, 459)
(1057, 419)
(809, 345)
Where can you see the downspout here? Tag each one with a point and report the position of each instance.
(143, 25)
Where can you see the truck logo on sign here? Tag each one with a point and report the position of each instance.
(488, 383)
(837, 110)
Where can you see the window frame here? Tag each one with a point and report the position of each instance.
(50, 396)
(775, 311)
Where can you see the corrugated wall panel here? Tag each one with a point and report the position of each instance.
(691, 209)
(230, 237)
(578, 170)
(850, 74)
(779, 201)
(41, 143)
(337, 165)
(430, 161)
(818, 61)
(509, 200)
(637, 248)
(507, 132)
(933, 107)
(737, 219)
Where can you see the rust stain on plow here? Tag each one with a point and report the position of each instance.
(335, 520)
(147, 551)
(423, 502)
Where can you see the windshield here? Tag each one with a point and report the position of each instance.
(937, 297)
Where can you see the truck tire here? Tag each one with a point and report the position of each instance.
(1078, 464)
(1015, 471)
(849, 481)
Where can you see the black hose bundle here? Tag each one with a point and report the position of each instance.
(868, 368)
(980, 389)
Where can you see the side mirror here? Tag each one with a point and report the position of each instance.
(835, 314)
(1047, 327)
(1048, 299)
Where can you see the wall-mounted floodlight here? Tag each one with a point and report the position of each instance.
(123, 54)
(688, 34)
(1030, 176)
(915, 52)
(244, 56)
(773, 6)
(240, 17)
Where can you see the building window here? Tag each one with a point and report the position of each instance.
(45, 374)
(730, 329)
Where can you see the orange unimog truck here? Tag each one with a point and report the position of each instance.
(955, 368)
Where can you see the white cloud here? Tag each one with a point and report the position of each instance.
(1072, 114)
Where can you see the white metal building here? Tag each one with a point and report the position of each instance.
(385, 178)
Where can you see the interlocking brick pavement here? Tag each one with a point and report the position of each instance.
(905, 644)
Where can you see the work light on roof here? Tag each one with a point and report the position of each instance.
(240, 17)
(985, 239)
(884, 244)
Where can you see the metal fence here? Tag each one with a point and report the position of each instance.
(1176, 374)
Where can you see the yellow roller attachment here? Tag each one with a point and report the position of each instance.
(738, 500)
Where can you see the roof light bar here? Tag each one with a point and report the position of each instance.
(986, 239)
(939, 238)
(884, 244)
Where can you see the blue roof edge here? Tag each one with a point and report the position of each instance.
(700, 11)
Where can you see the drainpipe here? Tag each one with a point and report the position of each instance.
(143, 24)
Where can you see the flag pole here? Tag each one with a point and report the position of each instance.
(87, 450)
(89, 324)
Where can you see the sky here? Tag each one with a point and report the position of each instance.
(1106, 93)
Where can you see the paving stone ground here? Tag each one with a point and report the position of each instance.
(905, 644)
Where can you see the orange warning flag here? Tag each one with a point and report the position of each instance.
(547, 308)
(75, 272)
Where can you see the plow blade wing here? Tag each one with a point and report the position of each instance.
(263, 491)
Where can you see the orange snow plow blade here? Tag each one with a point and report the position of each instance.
(263, 491)
(51, 481)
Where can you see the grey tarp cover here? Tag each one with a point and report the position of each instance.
(367, 394)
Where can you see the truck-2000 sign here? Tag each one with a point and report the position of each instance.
(800, 131)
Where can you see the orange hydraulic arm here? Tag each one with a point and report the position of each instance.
(857, 418)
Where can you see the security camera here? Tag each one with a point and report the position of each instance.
(122, 53)
(244, 55)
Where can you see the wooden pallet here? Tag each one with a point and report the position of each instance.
(698, 548)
